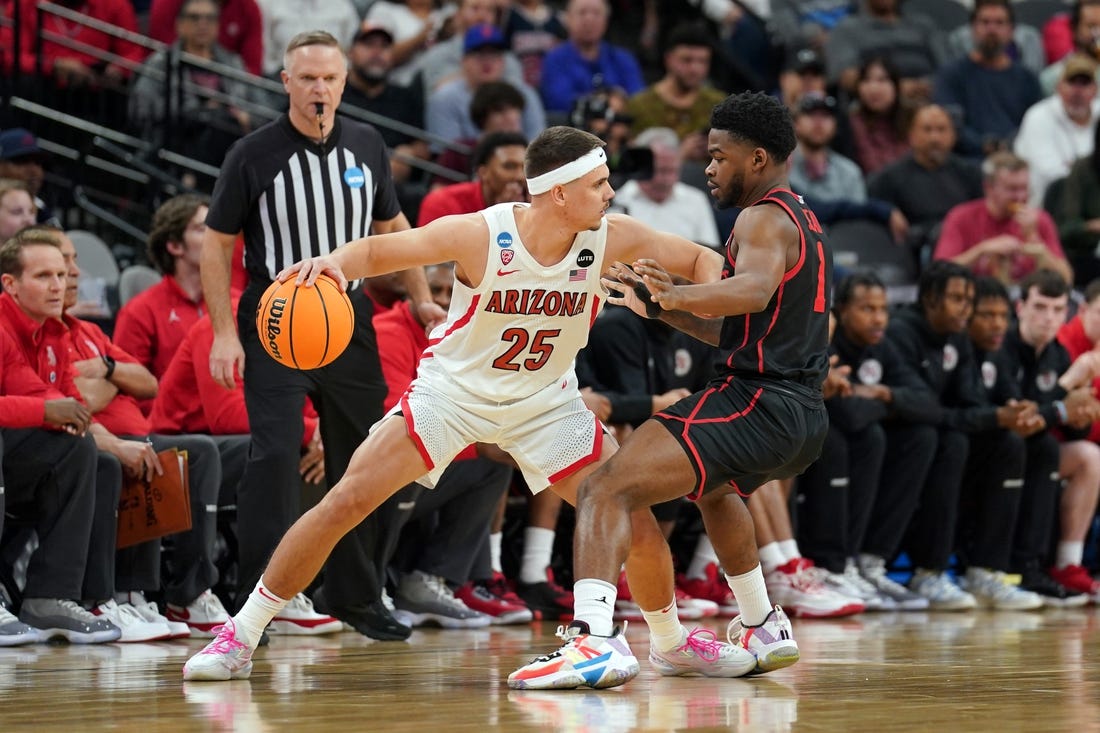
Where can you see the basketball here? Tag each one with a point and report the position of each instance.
(305, 328)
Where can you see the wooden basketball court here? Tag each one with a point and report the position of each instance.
(876, 672)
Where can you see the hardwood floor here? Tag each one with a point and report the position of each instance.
(980, 671)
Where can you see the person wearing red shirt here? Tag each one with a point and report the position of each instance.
(240, 28)
(498, 166)
(1081, 334)
(33, 277)
(48, 474)
(153, 324)
(67, 62)
(190, 401)
(458, 511)
(1000, 235)
(102, 368)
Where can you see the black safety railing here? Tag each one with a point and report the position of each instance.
(261, 100)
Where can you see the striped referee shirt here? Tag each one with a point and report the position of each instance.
(294, 198)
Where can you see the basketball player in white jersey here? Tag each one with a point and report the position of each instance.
(500, 370)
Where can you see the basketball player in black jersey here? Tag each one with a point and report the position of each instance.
(760, 418)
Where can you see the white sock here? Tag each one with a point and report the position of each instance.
(133, 597)
(538, 546)
(594, 603)
(704, 556)
(789, 548)
(494, 551)
(665, 630)
(771, 557)
(752, 596)
(262, 606)
(1070, 553)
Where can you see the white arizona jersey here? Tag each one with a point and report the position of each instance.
(521, 328)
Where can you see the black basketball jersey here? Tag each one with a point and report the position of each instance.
(789, 338)
(294, 198)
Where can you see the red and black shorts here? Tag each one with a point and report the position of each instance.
(745, 432)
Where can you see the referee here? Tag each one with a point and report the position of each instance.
(297, 188)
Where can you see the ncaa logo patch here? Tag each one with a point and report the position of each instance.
(506, 256)
(354, 177)
(1046, 380)
(504, 239)
(989, 374)
(870, 372)
(950, 357)
(682, 363)
(586, 258)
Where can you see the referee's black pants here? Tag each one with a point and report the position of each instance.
(348, 395)
(837, 493)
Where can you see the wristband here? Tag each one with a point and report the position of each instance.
(110, 366)
(1063, 413)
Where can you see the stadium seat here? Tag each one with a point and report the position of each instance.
(866, 244)
(134, 280)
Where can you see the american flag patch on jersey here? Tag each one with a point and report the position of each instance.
(576, 276)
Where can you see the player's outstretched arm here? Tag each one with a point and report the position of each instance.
(637, 298)
(460, 239)
(764, 238)
(629, 240)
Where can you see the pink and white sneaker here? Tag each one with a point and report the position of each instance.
(225, 658)
(771, 642)
(702, 653)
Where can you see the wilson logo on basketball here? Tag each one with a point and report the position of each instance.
(305, 327)
(275, 315)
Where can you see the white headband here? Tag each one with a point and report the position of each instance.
(571, 171)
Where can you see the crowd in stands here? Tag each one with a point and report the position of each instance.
(965, 426)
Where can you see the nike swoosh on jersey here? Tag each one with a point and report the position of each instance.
(501, 273)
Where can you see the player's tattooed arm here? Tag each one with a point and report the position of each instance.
(636, 296)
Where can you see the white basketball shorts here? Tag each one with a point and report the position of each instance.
(550, 434)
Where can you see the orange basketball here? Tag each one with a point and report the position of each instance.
(305, 328)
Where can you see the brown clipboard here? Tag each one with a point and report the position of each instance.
(148, 510)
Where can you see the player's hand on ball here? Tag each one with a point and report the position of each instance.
(308, 271)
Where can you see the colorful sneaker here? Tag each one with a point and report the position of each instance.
(713, 588)
(422, 598)
(14, 632)
(547, 599)
(1077, 578)
(58, 618)
(771, 642)
(942, 593)
(873, 570)
(148, 611)
(134, 627)
(202, 615)
(991, 589)
(1053, 593)
(584, 660)
(299, 619)
(225, 658)
(496, 600)
(702, 653)
(796, 586)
